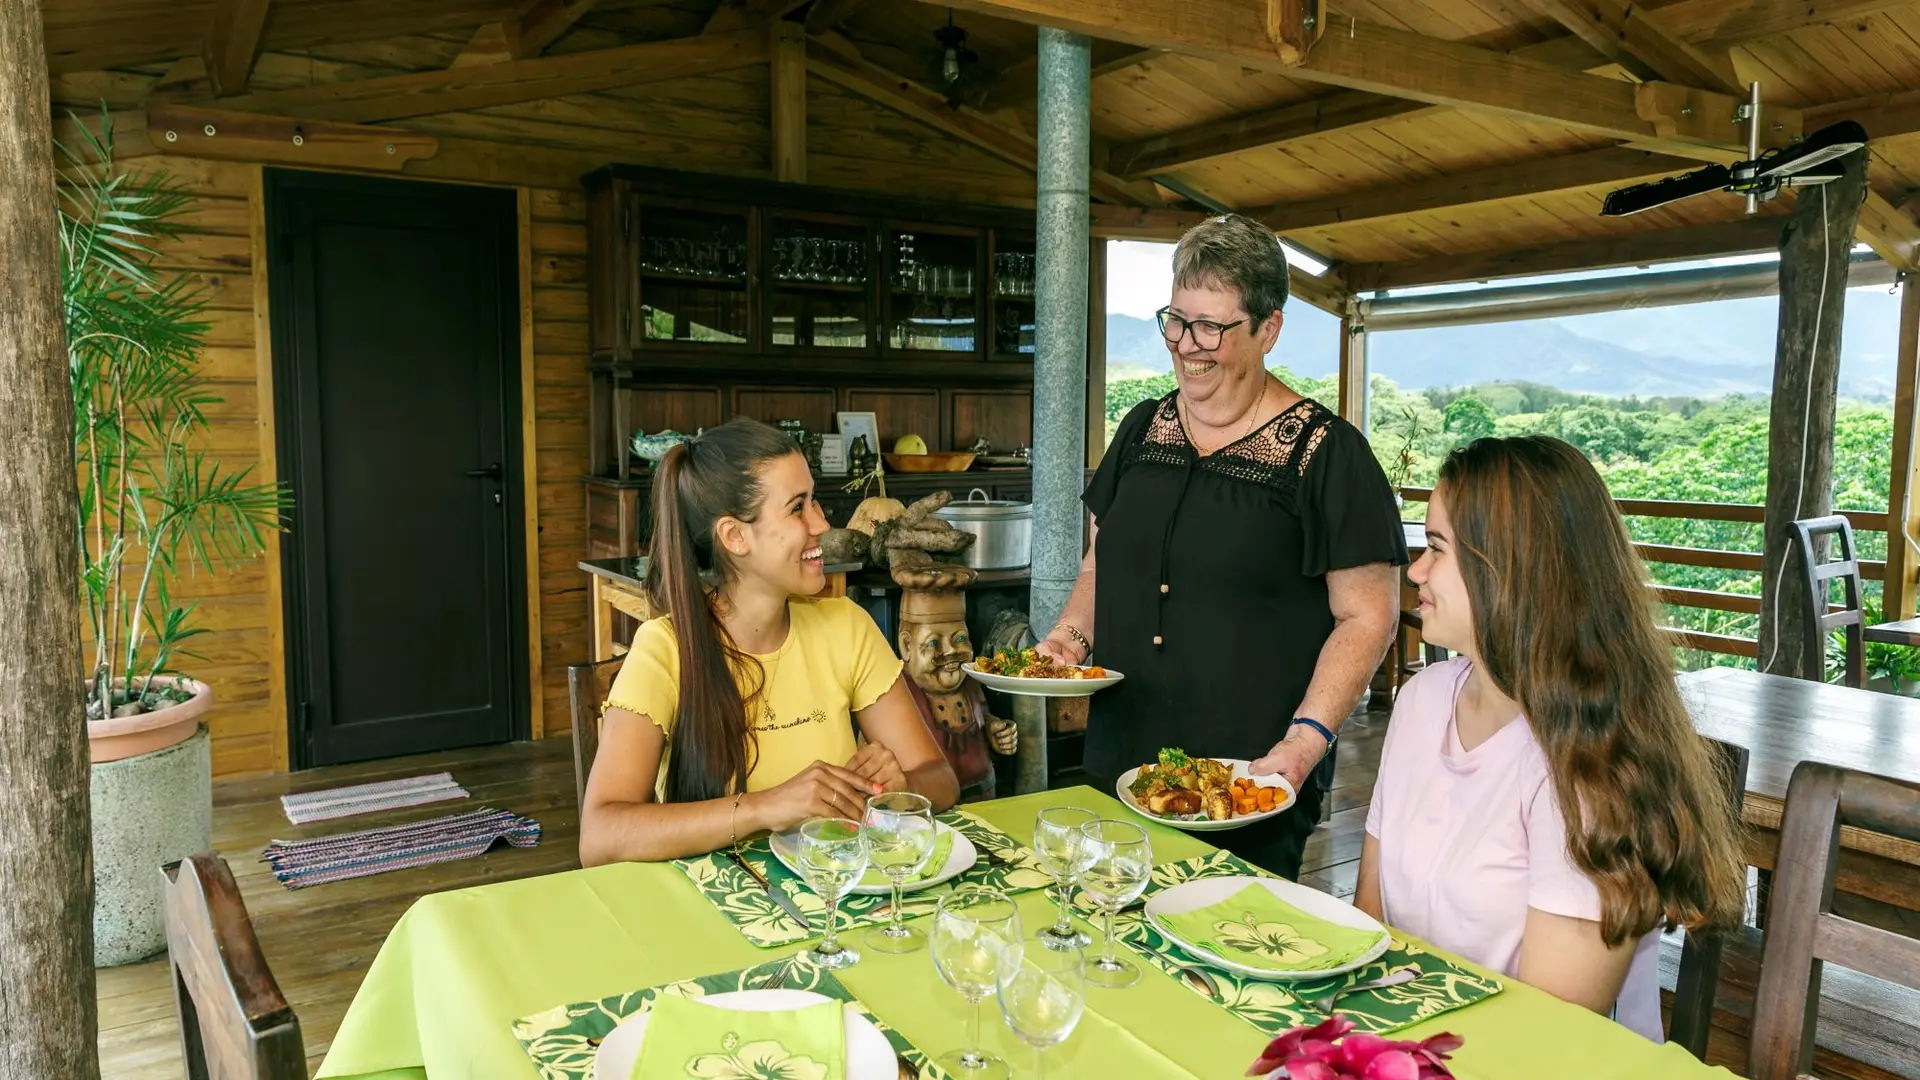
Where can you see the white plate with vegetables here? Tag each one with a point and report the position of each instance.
(1026, 672)
(1202, 794)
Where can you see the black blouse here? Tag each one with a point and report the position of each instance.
(1210, 576)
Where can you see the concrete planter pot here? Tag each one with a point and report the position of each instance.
(152, 791)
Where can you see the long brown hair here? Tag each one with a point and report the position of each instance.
(715, 475)
(1564, 624)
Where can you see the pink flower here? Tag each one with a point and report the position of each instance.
(1332, 1050)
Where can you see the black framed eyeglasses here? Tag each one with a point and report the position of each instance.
(1206, 333)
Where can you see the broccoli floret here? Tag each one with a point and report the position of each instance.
(1172, 757)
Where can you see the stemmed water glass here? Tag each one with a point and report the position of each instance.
(975, 930)
(1042, 994)
(1058, 842)
(900, 834)
(832, 854)
(1119, 863)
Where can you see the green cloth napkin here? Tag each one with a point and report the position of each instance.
(1258, 929)
(936, 861)
(685, 1038)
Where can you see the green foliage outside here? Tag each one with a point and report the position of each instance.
(1686, 449)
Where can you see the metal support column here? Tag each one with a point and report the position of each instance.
(1060, 352)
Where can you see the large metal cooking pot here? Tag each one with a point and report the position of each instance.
(1004, 530)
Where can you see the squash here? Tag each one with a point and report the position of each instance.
(871, 512)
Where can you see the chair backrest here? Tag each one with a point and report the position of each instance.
(1802, 931)
(1845, 566)
(587, 686)
(234, 1022)
(1699, 978)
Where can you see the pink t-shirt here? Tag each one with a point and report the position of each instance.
(1470, 839)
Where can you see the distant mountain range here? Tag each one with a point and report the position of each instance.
(1703, 350)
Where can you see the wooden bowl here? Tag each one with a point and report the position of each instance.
(946, 461)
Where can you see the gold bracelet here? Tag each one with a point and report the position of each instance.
(733, 821)
(1086, 647)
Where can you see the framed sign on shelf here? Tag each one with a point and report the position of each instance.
(855, 424)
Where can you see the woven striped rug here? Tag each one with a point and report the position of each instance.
(366, 798)
(300, 863)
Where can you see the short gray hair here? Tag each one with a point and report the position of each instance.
(1235, 251)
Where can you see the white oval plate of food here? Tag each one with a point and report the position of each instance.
(1201, 892)
(1025, 673)
(960, 859)
(869, 1054)
(1181, 786)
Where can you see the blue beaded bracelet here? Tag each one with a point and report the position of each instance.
(1315, 725)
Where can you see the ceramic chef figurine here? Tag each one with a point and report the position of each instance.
(934, 645)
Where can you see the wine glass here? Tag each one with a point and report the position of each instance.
(900, 834)
(1058, 842)
(832, 853)
(973, 930)
(1042, 994)
(1119, 862)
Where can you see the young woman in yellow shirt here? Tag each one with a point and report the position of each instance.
(735, 711)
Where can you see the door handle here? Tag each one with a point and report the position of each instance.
(492, 472)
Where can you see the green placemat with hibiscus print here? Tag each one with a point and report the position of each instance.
(1003, 864)
(563, 1040)
(1274, 1007)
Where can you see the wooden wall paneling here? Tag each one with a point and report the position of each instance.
(530, 462)
(903, 412)
(813, 406)
(684, 408)
(267, 472)
(555, 236)
(1003, 417)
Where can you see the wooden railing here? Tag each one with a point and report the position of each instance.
(1863, 521)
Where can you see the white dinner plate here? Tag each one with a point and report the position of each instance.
(1019, 684)
(1202, 824)
(1204, 891)
(869, 1054)
(960, 859)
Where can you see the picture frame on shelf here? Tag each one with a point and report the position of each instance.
(833, 455)
(855, 424)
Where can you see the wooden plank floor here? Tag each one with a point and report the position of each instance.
(320, 941)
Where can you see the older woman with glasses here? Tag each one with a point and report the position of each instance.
(1246, 545)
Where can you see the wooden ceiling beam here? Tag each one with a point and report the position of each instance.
(824, 15)
(1625, 33)
(1739, 237)
(1397, 63)
(541, 25)
(1265, 129)
(482, 86)
(787, 114)
(1613, 165)
(838, 62)
(1019, 83)
(233, 43)
(740, 14)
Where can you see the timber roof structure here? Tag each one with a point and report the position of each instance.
(1405, 141)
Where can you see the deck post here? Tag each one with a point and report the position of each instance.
(1062, 231)
(48, 1018)
(1897, 599)
(1815, 247)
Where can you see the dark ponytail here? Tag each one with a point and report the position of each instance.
(697, 483)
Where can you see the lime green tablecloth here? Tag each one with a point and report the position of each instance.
(460, 967)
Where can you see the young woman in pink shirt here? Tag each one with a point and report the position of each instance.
(1543, 805)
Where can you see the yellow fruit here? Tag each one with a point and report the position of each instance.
(910, 444)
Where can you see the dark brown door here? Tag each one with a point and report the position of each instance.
(396, 403)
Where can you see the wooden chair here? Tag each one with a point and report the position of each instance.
(1846, 567)
(1404, 665)
(234, 1022)
(1699, 977)
(1802, 932)
(587, 686)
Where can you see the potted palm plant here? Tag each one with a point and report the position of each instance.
(153, 504)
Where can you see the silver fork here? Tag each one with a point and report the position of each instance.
(1325, 1003)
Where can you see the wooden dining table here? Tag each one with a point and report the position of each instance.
(1783, 721)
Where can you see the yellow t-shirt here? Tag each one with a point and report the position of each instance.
(833, 664)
